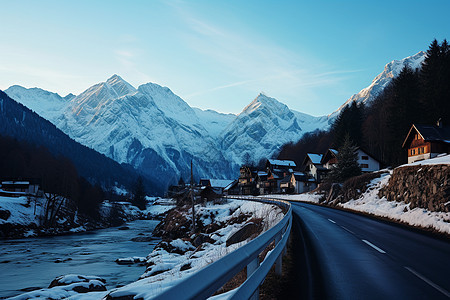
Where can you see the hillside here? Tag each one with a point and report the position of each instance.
(19, 122)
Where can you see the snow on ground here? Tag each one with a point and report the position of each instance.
(159, 206)
(438, 160)
(370, 202)
(22, 211)
(171, 268)
(305, 197)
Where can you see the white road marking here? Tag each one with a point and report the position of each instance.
(347, 229)
(374, 247)
(332, 221)
(443, 291)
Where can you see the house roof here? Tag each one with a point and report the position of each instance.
(219, 183)
(314, 158)
(430, 133)
(299, 176)
(284, 163)
(331, 153)
(231, 185)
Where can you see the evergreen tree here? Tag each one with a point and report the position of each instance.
(349, 122)
(347, 165)
(435, 82)
(139, 194)
(403, 109)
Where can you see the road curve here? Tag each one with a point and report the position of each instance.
(356, 257)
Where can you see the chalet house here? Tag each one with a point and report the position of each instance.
(427, 141)
(267, 182)
(277, 165)
(313, 167)
(17, 188)
(232, 188)
(367, 162)
(217, 185)
(329, 159)
(298, 183)
(246, 181)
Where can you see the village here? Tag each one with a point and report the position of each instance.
(286, 177)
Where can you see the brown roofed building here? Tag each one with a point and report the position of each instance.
(427, 141)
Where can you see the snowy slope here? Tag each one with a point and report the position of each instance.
(214, 122)
(150, 128)
(44, 103)
(263, 127)
(390, 71)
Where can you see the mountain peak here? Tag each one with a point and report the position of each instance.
(120, 86)
(391, 70)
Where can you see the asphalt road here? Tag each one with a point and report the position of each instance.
(355, 257)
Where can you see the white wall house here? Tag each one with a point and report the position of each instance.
(367, 162)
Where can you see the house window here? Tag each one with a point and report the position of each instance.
(364, 157)
(364, 166)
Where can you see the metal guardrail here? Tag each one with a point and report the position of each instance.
(208, 280)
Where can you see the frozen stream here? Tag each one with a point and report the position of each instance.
(33, 262)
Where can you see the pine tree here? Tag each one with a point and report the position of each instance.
(139, 194)
(347, 165)
(349, 122)
(435, 80)
(403, 110)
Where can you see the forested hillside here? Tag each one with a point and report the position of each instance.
(19, 122)
(420, 96)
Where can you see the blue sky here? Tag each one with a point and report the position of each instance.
(310, 55)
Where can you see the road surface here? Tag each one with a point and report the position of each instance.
(355, 257)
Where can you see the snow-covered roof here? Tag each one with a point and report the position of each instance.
(284, 163)
(15, 182)
(262, 173)
(230, 185)
(220, 183)
(334, 151)
(315, 158)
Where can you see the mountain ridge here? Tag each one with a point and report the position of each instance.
(158, 133)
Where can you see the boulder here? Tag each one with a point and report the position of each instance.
(250, 229)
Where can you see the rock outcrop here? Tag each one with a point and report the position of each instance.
(424, 186)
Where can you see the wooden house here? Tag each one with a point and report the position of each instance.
(17, 188)
(267, 182)
(217, 185)
(313, 167)
(427, 141)
(366, 161)
(298, 183)
(329, 159)
(282, 165)
(246, 181)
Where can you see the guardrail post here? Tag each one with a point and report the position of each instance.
(251, 267)
(279, 261)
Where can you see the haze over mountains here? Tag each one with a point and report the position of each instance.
(158, 133)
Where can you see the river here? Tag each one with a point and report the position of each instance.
(35, 262)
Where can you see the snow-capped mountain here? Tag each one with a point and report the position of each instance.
(263, 127)
(150, 127)
(214, 121)
(158, 133)
(390, 71)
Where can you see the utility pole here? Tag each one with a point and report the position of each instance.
(192, 199)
